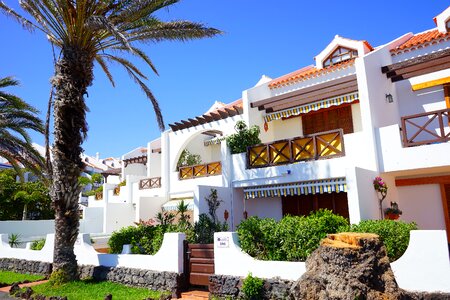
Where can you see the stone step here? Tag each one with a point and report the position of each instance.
(195, 295)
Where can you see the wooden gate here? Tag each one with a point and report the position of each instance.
(199, 264)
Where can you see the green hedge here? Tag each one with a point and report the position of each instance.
(291, 239)
(144, 239)
(295, 238)
(394, 234)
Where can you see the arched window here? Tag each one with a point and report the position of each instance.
(447, 25)
(339, 55)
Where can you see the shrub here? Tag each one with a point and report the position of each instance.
(204, 230)
(38, 244)
(291, 239)
(244, 137)
(252, 287)
(142, 238)
(394, 234)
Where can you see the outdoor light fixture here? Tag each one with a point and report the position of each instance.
(389, 98)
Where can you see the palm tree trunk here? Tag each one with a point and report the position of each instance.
(72, 77)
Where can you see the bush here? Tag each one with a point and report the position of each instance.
(394, 234)
(38, 244)
(244, 137)
(291, 239)
(252, 287)
(204, 229)
(143, 239)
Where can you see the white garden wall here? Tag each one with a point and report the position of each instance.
(169, 258)
(229, 259)
(424, 267)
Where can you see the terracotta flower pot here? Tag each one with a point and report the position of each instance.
(391, 216)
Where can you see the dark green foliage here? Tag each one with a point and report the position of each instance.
(252, 287)
(244, 137)
(94, 192)
(38, 244)
(12, 201)
(394, 234)
(144, 239)
(291, 239)
(204, 230)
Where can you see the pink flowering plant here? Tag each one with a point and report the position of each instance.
(381, 188)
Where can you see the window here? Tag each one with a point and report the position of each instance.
(303, 205)
(447, 25)
(329, 119)
(339, 55)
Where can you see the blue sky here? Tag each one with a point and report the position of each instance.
(261, 37)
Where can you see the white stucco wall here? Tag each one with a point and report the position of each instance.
(148, 207)
(92, 221)
(118, 215)
(393, 157)
(229, 259)
(422, 204)
(135, 169)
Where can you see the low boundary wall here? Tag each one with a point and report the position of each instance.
(424, 267)
(169, 258)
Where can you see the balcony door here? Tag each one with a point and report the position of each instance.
(303, 205)
(328, 119)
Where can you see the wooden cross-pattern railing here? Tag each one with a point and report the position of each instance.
(311, 147)
(210, 169)
(150, 183)
(426, 128)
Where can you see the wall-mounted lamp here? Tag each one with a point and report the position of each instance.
(389, 98)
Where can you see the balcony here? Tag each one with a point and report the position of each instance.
(426, 128)
(150, 183)
(204, 170)
(322, 145)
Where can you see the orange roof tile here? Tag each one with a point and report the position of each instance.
(430, 36)
(308, 72)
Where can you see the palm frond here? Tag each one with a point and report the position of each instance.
(142, 55)
(105, 69)
(150, 96)
(176, 30)
(9, 12)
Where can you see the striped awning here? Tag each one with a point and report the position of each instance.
(335, 185)
(314, 106)
(173, 204)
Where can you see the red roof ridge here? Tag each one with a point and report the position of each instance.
(422, 39)
(306, 73)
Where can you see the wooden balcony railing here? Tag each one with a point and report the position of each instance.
(150, 183)
(425, 128)
(311, 147)
(211, 169)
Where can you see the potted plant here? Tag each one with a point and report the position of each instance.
(117, 188)
(393, 212)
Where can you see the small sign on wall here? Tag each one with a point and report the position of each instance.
(223, 242)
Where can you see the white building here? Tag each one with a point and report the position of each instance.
(327, 131)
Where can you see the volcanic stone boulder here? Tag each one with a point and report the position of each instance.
(348, 266)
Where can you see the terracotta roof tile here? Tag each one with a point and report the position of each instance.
(307, 73)
(423, 38)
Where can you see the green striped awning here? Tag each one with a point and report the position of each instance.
(304, 109)
(331, 185)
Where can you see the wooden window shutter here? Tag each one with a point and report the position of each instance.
(329, 119)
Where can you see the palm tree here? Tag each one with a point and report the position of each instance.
(16, 117)
(87, 31)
